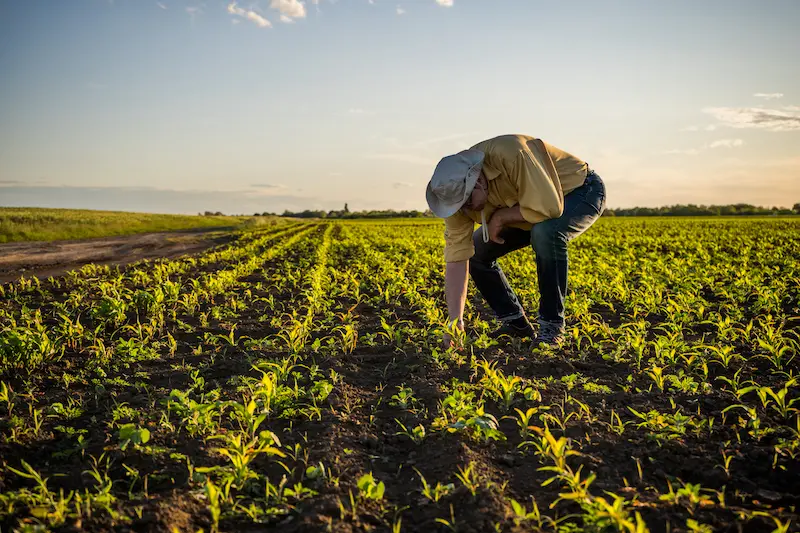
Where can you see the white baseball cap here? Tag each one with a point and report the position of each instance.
(453, 181)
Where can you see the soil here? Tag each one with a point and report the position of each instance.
(55, 258)
(357, 432)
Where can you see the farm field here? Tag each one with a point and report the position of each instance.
(41, 224)
(293, 379)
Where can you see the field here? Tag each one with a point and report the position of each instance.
(38, 224)
(293, 380)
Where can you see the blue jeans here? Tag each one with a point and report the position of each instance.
(549, 241)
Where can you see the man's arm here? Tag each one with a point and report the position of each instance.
(501, 218)
(455, 289)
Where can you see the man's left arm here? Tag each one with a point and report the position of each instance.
(502, 218)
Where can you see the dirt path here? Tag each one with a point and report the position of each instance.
(44, 259)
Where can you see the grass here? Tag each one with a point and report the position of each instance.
(39, 224)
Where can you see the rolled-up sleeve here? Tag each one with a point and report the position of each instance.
(540, 193)
(458, 244)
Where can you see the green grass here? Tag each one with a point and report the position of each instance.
(37, 224)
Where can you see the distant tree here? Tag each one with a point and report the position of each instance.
(796, 208)
(346, 209)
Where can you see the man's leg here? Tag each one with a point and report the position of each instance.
(489, 277)
(582, 207)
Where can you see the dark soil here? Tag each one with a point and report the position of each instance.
(357, 430)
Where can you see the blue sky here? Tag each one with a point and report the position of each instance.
(184, 106)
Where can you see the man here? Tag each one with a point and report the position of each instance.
(522, 191)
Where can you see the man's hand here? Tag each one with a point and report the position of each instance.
(501, 218)
(495, 227)
(451, 338)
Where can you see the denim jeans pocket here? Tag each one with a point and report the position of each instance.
(595, 196)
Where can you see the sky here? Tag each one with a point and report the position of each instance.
(182, 106)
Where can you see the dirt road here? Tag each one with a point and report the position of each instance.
(44, 259)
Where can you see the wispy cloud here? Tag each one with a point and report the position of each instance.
(769, 96)
(445, 3)
(756, 117)
(266, 189)
(709, 127)
(400, 10)
(157, 200)
(249, 14)
(193, 11)
(720, 143)
(267, 186)
(401, 184)
(726, 143)
(289, 8)
(162, 6)
(425, 151)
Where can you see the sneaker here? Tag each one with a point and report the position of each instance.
(550, 334)
(519, 328)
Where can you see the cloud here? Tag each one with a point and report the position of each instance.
(445, 3)
(726, 143)
(155, 200)
(193, 11)
(162, 6)
(769, 96)
(290, 8)
(400, 10)
(249, 14)
(267, 185)
(721, 143)
(286, 20)
(710, 127)
(401, 184)
(27, 183)
(755, 117)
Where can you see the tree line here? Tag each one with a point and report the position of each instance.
(692, 210)
(678, 210)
